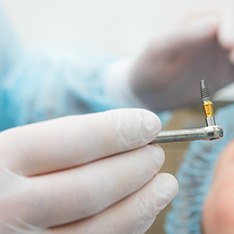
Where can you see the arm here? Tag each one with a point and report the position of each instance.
(41, 89)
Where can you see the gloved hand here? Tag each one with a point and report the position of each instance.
(218, 209)
(167, 74)
(83, 174)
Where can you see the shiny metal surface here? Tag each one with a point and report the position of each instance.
(206, 133)
(210, 121)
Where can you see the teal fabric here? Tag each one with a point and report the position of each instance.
(195, 175)
(35, 88)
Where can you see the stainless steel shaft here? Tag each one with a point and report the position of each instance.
(206, 133)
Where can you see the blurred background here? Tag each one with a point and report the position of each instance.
(121, 28)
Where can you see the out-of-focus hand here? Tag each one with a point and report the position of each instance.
(167, 74)
(83, 174)
(218, 211)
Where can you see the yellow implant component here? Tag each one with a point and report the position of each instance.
(207, 104)
(208, 108)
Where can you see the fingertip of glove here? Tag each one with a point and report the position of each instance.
(157, 195)
(165, 189)
(135, 127)
(170, 183)
(151, 123)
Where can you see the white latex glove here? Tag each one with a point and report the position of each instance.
(83, 174)
(168, 73)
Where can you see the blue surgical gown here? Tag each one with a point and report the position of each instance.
(36, 88)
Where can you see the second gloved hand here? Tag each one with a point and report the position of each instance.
(167, 75)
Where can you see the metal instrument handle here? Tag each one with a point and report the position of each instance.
(206, 133)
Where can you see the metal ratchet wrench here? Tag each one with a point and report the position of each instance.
(210, 132)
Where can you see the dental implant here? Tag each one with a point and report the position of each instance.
(207, 104)
(210, 132)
